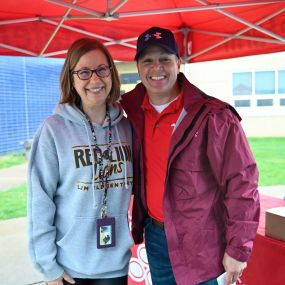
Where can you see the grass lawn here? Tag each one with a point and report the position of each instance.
(13, 202)
(12, 160)
(268, 152)
(270, 157)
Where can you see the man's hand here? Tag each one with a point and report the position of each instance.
(233, 268)
(59, 281)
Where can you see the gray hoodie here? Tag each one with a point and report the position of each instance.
(65, 196)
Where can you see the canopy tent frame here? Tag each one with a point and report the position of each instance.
(113, 14)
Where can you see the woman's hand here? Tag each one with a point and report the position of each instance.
(59, 281)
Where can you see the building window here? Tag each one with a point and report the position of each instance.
(264, 82)
(129, 78)
(242, 103)
(242, 83)
(264, 102)
(260, 89)
(281, 81)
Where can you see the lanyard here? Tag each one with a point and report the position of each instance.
(103, 175)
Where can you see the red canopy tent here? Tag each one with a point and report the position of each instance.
(205, 29)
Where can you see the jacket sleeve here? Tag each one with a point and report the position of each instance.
(43, 175)
(236, 172)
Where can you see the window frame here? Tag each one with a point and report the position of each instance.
(254, 110)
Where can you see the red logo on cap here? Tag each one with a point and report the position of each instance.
(157, 35)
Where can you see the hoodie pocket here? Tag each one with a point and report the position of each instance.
(79, 245)
(81, 226)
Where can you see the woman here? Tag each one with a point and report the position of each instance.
(80, 177)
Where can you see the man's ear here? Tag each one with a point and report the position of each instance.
(179, 62)
(138, 68)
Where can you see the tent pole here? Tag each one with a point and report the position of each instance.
(18, 49)
(155, 12)
(77, 8)
(237, 34)
(245, 22)
(56, 30)
(226, 35)
(186, 52)
(17, 21)
(117, 7)
(195, 8)
(89, 34)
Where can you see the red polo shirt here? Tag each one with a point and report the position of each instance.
(157, 134)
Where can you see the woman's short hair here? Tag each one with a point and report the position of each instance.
(75, 52)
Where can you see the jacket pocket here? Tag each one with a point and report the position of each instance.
(190, 182)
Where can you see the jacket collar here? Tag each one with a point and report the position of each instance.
(192, 95)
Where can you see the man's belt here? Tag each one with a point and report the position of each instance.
(158, 223)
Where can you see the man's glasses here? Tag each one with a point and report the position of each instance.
(85, 74)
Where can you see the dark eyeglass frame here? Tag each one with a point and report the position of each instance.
(96, 71)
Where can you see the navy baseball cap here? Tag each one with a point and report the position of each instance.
(156, 36)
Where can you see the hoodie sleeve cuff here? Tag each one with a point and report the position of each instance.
(53, 274)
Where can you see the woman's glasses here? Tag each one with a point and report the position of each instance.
(85, 74)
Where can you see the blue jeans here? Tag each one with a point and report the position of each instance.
(158, 258)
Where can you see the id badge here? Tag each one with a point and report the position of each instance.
(106, 235)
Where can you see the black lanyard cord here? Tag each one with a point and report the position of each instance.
(103, 175)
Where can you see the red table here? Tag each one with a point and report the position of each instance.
(266, 266)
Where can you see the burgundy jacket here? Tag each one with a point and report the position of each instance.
(211, 202)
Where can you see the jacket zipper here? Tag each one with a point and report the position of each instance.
(185, 135)
(139, 184)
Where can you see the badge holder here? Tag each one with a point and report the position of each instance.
(106, 235)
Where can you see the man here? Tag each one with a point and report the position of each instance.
(196, 179)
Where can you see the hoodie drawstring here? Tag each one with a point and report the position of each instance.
(125, 161)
